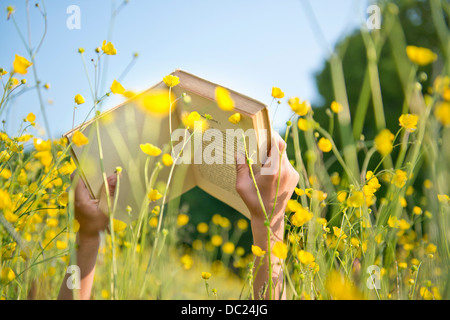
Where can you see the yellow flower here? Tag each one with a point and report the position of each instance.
(304, 124)
(235, 118)
(228, 248)
(426, 294)
(186, 261)
(257, 251)
(340, 288)
(171, 80)
(339, 233)
(79, 139)
(399, 178)
(108, 48)
(157, 102)
(182, 219)
(305, 257)
(277, 93)
(403, 224)
(336, 107)
(202, 227)
(217, 219)
(420, 56)
(31, 118)
(442, 113)
(325, 145)
(280, 250)
(428, 184)
(403, 202)
(206, 275)
(41, 145)
(194, 120)
(342, 196)
(20, 65)
(417, 210)
(299, 107)
(150, 149)
(392, 222)
(383, 142)
(167, 159)
(224, 100)
(242, 224)
(431, 248)
(409, 122)
(117, 88)
(154, 195)
(356, 200)
(118, 225)
(61, 245)
(216, 240)
(301, 217)
(153, 222)
(79, 99)
(7, 275)
(443, 198)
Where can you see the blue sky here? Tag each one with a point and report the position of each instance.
(246, 45)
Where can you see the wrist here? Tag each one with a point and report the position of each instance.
(88, 240)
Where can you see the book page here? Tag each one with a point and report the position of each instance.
(121, 132)
(214, 150)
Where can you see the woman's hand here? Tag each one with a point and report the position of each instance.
(88, 213)
(277, 179)
(92, 221)
(267, 182)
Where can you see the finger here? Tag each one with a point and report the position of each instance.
(112, 183)
(242, 170)
(81, 192)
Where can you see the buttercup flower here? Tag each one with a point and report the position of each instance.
(305, 257)
(409, 122)
(206, 275)
(336, 107)
(235, 118)
(280, 250)
(299, 107)
(117, 88)
(277, 93)
(420, 56)
(442, 113)
(257, 251)
(150, 149)
(325, 145)
(224, 100)
(20, 65)
(171, 80)
(108, 48)
(399, 178)
(383, 142)
(31, 118)
(79, 139)
(154, 195)
(79, 99)
(356, 200)
(167, 160)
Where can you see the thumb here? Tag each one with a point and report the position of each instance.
(242, 171)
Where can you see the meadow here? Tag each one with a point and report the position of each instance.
(369, 218)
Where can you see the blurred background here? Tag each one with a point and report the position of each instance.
(248, 46)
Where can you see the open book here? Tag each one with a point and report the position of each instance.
(207, 159)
